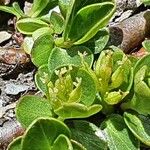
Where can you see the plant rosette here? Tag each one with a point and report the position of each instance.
(141, 98)
(113, 74)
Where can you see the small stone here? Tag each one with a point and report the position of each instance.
(4, 36)
(14, 89)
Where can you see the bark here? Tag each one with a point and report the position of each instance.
(129, 33)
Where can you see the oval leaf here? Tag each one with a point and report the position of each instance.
(57, 22)
(37, 7)
(140, 101)
(42, 78)
(61, 57)
(18, 9)
(88, 93)
(41, 31)
(31, 107)
(52, 5)
(143, 61)
(29, 25)
(63, 5)
(139, 126)
(86, 133)
(42, 133)
(41, 49)
(10, 10)
(73, 6)
(118, 135)
(28, 44)
(89, 20)
(99, 41)
(76, 110)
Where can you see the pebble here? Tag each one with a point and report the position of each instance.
(4, 36)
(14, 89)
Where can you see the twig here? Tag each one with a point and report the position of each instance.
(129, 33)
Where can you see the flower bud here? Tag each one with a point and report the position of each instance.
(103, 67)
(75, 94)
(117, 78)
(113, 98)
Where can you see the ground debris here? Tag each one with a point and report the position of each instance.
(13, 56)
(9, 127)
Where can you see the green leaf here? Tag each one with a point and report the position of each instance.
(143, 61)
(42, 78)
(62, 143)
(29, 25)
(69, 12)
(89, 20)
(126, 65)
(61, 57)
(99, 41)
(76, 110)
(46, 18)
(139, 104)
(139, 126)
(46, 11)
(141, 83)
(141, 97)
(28, 44)
(41, 31)
(42, 133)
(15, 144)
(18, 9)
(37, 7)
(73, 6)
(87, 134)
(31, 107)
(57, 22)
(42, 48)
(10, 10)
(88, 93)
(146, 45)
(118, 135)
(64, 5)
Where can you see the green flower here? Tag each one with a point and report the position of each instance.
(114, 73)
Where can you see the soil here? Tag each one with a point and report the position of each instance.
(18, 82)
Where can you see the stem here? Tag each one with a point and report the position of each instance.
(130, 104)
(125, 106)
(107, 109)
